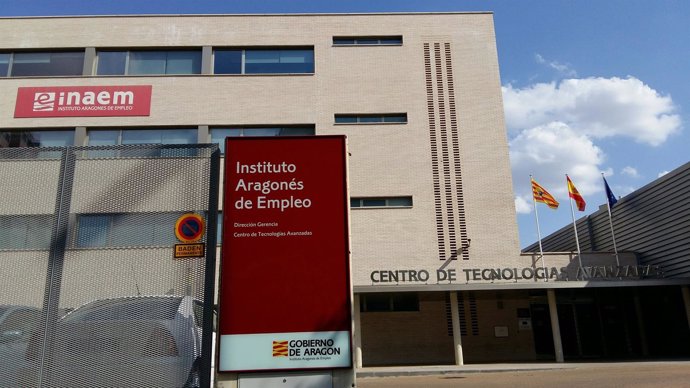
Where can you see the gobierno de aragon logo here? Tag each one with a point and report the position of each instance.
(127, 100)
(301, 348)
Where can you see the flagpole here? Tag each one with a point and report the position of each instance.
(613, 235)
(536, 217)
(577, 240)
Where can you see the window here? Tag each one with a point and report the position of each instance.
(125, 230)
(137, 62)
(388, 118)
(19, 232)
(383, 302)
(263, 61)
(368, 40)
(27, 64)
(381, 202)
(219, 134)
(36, 138)
(142, 136)
(111, 137)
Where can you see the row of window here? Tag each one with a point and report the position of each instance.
(109, 230)
(284, 60)
(105, 137)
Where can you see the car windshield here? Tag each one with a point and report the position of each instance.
(125, 309)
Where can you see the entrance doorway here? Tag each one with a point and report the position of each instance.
(612, 323)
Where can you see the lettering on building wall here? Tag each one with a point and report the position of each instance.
(83, 101)
(469, 275)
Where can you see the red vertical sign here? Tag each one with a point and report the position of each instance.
(285, 283)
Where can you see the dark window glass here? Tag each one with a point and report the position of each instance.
(377, 302)
(159, 136)
(399, 201)
(36, 139)
(227, 62)
(112, 63)
(218, 135)
(405, 302)
(345, 119)
(278, 61)
(381, 202)
(25, 232)
(371, 118)
(4, 64)
(343, 41)
(147, 62)
(390, 302)
(373, 202)
(401, 118)
(104, 138)
(368, 40)
(47, 63)
(125, 230)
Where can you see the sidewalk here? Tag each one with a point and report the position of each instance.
(483, 368)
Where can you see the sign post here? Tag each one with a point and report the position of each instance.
(285, 292)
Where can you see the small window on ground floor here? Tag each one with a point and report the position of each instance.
(386, 302)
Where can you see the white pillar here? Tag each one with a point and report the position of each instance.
(555, 328)
(686, 298)
(357, 333)
(457, 335)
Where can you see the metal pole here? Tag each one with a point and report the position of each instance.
(555, 328)
(541, 249)
(457, 334)
(577, 240)
(357, 333)
(613, 235)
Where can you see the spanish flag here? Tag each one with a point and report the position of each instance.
(575, 195)
(541, 195)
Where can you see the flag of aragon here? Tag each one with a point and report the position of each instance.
(575, 195)
(541, 195)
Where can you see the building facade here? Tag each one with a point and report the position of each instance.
(436, 267)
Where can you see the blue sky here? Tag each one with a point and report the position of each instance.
(589, 86)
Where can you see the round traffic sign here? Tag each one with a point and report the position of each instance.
(189, 227)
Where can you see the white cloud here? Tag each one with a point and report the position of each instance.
(596, 107)
(550, 151)
(522, 205)
(662, 174)
(630, 171)
(561, 68)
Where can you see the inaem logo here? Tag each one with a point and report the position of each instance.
(44, 101)
(280, 348)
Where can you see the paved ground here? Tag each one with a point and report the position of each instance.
(672, 374)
